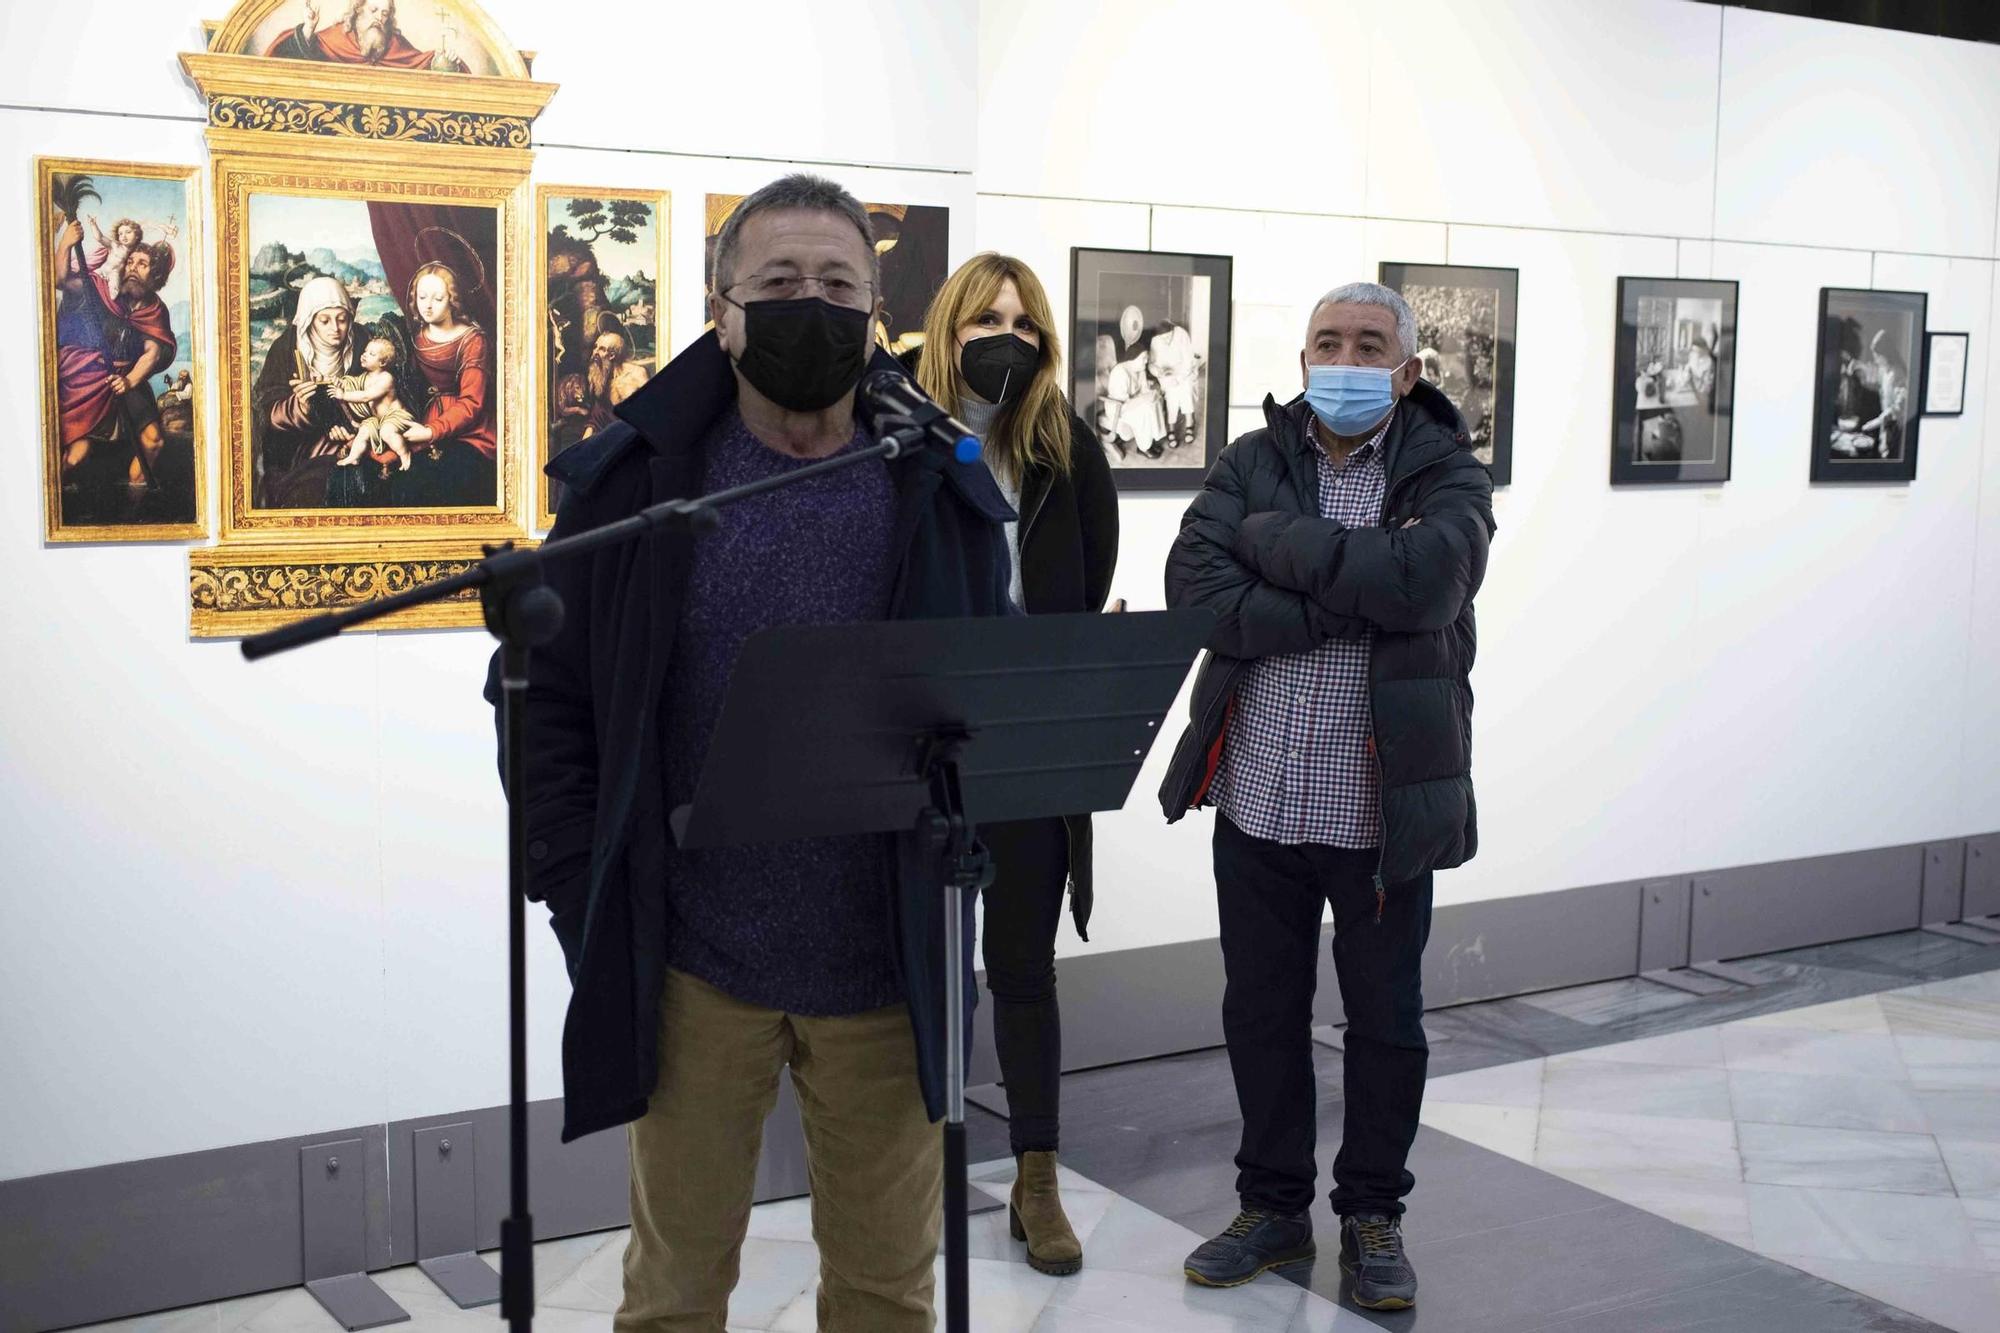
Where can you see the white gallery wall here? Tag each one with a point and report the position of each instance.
(242, 903)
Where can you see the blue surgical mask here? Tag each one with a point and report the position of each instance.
(1351, 400)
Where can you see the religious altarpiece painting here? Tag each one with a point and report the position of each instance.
(374, 304)
(119, 269)
(601, 262)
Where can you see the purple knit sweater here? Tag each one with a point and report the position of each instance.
(804, 927)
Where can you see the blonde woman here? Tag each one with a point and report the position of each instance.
(992, 358)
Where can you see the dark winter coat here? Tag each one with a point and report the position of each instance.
(597, 821)
(1254, 550)
(1069, 550)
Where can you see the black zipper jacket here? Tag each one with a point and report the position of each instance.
(1281, 579)
(596, 784)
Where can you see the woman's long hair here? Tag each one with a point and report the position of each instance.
(1034, 429)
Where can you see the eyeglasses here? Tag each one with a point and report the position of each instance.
(790, 286)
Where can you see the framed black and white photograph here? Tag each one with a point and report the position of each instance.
(1673, 381)
(1465, 339)
(1868, 400)
(1149, 361)
(1946, 356)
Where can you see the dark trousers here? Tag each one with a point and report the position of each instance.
(1270, 897)
(1023, 909)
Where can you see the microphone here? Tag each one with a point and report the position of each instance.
(886, 393)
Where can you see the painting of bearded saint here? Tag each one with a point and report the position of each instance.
(371, 32)
(372, 354)
(120, 347)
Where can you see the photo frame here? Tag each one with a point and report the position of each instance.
(1149, 361)
(602, 297)
(1673, 381)
(1947, 357)
(123, 365)
(1867, 394)
(1466, 318)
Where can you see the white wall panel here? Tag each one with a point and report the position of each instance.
(1574, 113)
(1819, 664)
(1586, 602)
(103, 55)
(1979, 804)
(1839, 135)
(1252, 104)
(884, 82)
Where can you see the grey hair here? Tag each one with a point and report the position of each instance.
(800, 190)
(1374, 293)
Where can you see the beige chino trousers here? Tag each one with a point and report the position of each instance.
(874, 1160)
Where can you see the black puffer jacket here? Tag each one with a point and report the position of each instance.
(1253, 549)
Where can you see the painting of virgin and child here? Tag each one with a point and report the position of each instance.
(373, 353)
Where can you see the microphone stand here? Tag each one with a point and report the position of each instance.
(522, 612)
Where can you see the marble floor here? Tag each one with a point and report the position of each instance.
(1133, 1282)
(1819, 1153)
(1858, 1139)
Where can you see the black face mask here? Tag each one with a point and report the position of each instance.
(998, 367)
(805, 353)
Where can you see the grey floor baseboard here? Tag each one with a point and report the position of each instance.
(106, 1242)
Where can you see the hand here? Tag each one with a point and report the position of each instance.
(1413, 522)
(341, 434)
(120, 385)
(1115, 607)
(71, 234)
(418, 435)
(312, 16)
(302, 390)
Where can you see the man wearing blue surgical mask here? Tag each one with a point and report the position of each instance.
(1340, 548)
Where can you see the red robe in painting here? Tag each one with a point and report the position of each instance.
(461, 373)
(84, 371)
(337, 44)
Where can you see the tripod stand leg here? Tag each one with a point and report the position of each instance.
(957, 1313)
(517, 1230)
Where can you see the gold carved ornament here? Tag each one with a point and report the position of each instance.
(367, 120)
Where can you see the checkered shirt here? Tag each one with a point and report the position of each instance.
(1298, 763)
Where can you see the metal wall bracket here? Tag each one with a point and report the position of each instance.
(1969, 931)
(1943, 884)
(1686, 979)
(1334, 1036)
(333, 1228)
(1664, 909)
(444, 1162)
(1742, 976)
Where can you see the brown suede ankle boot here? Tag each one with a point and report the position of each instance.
(1035, 1215)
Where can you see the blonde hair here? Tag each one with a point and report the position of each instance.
(445, 276)
(1034, 429)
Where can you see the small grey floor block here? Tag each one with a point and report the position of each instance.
(356, 1302)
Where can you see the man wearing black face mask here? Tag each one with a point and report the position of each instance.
(698, 975)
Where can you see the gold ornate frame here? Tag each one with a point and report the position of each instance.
(662, 201)
(236, 179)
(296, 127)
(189, 254)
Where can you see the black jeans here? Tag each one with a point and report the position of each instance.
(1023, 910)
(1270, 898)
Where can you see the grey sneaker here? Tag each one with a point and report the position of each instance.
(1256, 1242)
(1371, 1248)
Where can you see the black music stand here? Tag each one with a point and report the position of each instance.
(931, 727)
